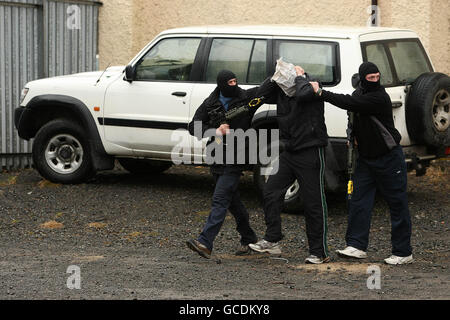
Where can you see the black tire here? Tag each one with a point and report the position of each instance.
(144, 166)
(62, 154)
(427, 110)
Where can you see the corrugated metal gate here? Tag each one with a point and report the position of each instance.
(39, 39)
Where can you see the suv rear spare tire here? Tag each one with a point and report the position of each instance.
(427, 109)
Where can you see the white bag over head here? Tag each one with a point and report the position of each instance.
(284, 76)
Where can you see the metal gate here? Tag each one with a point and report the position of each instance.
(39, 39)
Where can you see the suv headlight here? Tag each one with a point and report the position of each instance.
(23, 94)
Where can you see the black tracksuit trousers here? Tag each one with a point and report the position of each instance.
(388, 175)
(308, 167)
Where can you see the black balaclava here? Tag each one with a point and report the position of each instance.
(222, 82)
(365, 69)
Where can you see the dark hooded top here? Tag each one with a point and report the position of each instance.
(238, 97)
(369, 99)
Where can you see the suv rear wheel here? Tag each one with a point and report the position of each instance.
(293, 202)
(61, 152)
(144, 166)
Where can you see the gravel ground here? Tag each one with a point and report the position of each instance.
(127, 235)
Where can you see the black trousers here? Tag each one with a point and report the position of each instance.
(308, 167)
(226, 197)
(387, 174)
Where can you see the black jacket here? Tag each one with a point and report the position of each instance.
(300, 118)
(366, 104)
(212, 102)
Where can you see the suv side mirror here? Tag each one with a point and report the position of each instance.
(130, 73)
(355, 80)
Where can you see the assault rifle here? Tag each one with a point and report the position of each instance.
(351, 154)
(218, 116)
(351, 151)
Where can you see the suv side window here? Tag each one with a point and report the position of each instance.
(245, 57)
(377, 54)
(319, 59)
(409, 60)
(170, 59)
(399, 60)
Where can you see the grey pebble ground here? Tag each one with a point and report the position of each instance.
(127, 235)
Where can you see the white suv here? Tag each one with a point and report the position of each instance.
(80, 123)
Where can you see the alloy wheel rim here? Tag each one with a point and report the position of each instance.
(440, 110)
(64, 154)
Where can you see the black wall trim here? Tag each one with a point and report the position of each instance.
(142, 124)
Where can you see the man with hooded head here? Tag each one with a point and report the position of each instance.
(226, 96)
(380, 166)
(303, 138)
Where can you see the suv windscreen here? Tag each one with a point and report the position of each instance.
(245, 57)
(318, 59)
(399, 60)
(170, 59)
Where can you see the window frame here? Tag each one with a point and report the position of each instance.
(396, 82)
(335, 56)
(390, 61)
(194, 64)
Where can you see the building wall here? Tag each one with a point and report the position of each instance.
(127, 26)
(115, 32)
(430, 19)
(440, 35)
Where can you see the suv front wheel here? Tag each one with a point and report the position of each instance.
(61, 153)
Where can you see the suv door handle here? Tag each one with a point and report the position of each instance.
(179, 93)
(396, 104)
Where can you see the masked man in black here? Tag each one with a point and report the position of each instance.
(226, 96)
(303, 135)
(380, 166)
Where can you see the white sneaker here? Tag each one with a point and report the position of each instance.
(352, 252)
(266, 246)
(316, 260)
(399, 260)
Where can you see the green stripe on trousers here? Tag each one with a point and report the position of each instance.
(324, 201)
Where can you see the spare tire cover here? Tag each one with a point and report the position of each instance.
(427, 110)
